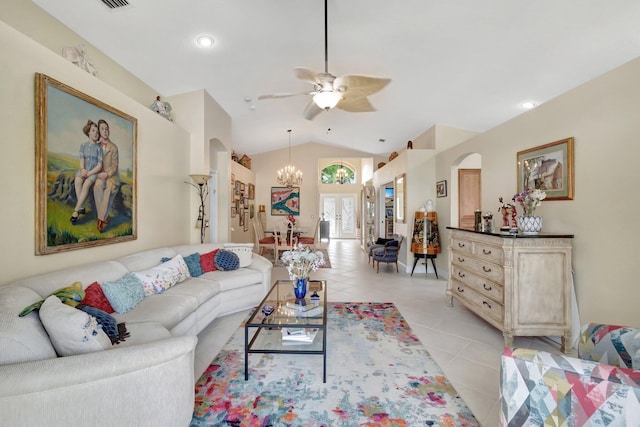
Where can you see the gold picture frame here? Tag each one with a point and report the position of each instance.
(66, 120)
(549, 168)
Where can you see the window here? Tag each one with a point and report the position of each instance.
(330, 175)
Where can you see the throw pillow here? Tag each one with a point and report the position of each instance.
(125, 293)
(206, 261)
(70, 295)
(161, 277)
(382, 241)
(226, 260)
(71, 331)
(193, 262)
(243, 250)
(117, 332)
(94, 297)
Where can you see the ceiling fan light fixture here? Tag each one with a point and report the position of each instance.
(327, 99)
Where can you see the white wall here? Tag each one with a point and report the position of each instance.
(603, 117)
(163, 162)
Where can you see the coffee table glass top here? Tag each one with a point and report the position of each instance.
(289, 312)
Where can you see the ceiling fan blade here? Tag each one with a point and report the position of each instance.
(311, 110)
(355, 104)
(360, 85)
(307, 75)
(280, 95)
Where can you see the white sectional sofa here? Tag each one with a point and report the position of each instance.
(146, 380)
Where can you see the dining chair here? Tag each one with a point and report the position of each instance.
(284, 239)
(312, 240)
(262, 242)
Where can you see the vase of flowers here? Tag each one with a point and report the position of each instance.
(300, 262)
(530, 199)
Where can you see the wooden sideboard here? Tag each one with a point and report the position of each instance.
(521, 284)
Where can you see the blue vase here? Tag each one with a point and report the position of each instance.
(300, 287)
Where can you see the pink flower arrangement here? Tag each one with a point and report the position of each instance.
(530, 199)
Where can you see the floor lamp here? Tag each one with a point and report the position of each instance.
(201, 184)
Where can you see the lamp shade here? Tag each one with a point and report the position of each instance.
(327, 99)
(200, 179)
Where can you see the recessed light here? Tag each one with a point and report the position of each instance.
(528, 105)
(204, 41)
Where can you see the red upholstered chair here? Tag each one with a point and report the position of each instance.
(262, 242)
(313, 240)
(285, 240)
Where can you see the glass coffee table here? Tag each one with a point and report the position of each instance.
(293, 327)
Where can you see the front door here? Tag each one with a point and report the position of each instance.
(340, 211)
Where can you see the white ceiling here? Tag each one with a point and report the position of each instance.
(462, 63)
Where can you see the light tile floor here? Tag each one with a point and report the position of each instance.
(466, 347)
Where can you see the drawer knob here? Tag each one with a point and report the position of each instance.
(460, 289)
(486, 252)
(488, 288)
(460, 259)
(461, 245)
(485, 269)
(460, 274)
(486, 303)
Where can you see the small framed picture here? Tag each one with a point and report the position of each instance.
(441, 188)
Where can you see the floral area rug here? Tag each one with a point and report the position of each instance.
(378, 374)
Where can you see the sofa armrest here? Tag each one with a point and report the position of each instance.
(540, 388)
(263, 265)
(610, 344)
(146, 384)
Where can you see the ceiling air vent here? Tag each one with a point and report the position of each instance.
(115, 4)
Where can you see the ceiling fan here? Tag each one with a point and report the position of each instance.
(348, 92)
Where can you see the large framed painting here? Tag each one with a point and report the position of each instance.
(549, 168)
(85, 170)
(285, 201)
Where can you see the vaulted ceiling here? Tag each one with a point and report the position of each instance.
(463, 63)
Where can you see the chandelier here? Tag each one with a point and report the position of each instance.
(289, 175)
(342, 176)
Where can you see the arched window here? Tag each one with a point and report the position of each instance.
(338, 173)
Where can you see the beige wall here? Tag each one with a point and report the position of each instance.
(603, 117)
(163, 162)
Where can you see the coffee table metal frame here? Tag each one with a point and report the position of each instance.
(263, 334)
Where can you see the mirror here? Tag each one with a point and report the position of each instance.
(400, 195)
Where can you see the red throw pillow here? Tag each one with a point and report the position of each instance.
(94, 297)
(206, 261)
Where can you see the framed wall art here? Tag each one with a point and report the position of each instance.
(252, 191)
(441, 188)
(285, 201)
(549, 168)
(86, 190)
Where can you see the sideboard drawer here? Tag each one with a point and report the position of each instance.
(482, 268)
(486, 306)
(462, 246)
(485, 287)
(488, 252)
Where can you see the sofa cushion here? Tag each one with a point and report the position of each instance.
(243, 250)
(234, 279)
(95, 297)
(207, 261)
(72, 331)
(146, 259)
(22, 339)
(158, 279)
(125, 293)
(166, 308)
(144, 332)
(201, 289)
(226, 260)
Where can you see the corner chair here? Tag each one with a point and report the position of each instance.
(599, 387)
(388, 254)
